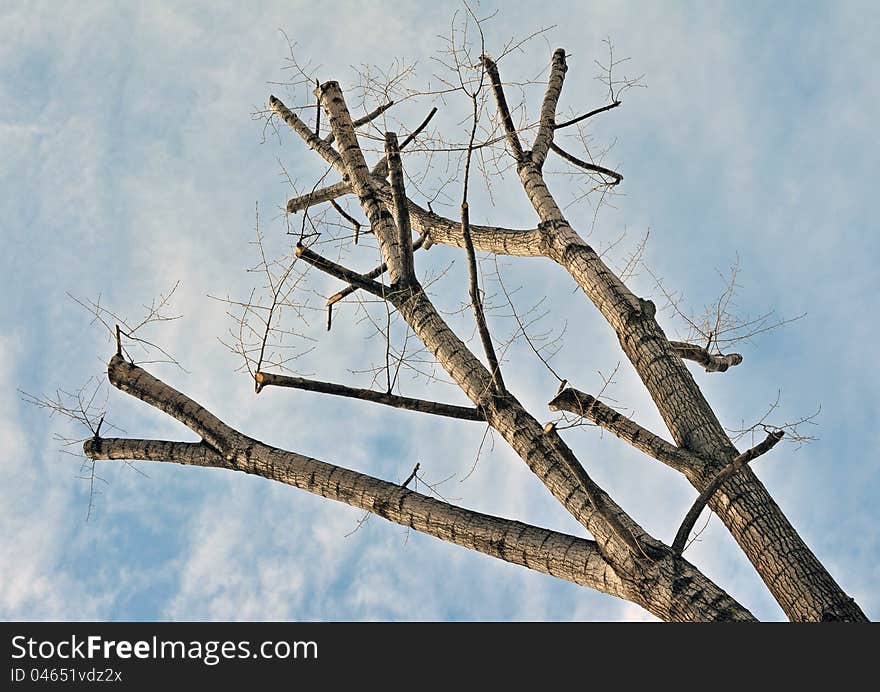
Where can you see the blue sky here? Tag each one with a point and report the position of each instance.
(131, 161)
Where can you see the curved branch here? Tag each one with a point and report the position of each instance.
(687, 525)
(586, 165)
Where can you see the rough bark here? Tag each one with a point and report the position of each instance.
(624, 559)
(670, 588)
(798, 581)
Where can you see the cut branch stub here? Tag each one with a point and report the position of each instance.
(712, 362)
(547, 123)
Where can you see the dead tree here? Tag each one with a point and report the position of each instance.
(620, 557)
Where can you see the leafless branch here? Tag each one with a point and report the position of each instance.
(265, 379)
(733, 467)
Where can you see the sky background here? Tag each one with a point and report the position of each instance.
(131, 160)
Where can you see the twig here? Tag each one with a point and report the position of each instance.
(411, 476)
(348, 217)
(593, 112)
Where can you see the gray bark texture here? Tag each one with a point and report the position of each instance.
(622, 559)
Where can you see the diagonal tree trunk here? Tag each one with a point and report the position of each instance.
(623, 559)
(799, 582)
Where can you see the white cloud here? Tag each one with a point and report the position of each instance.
(147, 173)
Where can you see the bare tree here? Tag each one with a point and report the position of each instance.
(620, 558)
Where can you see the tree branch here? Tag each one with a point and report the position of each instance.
(584, 405)
(319, 196)
(503, 110)
(738, 463)
(632, 536)
(340, 272)
(354, 165)
(363, 120)
(372, 274)
(559, 555)
(325, 194)
(587, 166)
(710, 361)
(265, 379)
(401, 210)
(142, 385)
(547, 123)
(329, 154)
(593, 112)
(477, 302)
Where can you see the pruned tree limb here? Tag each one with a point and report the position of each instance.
(581, 404)
(266, 379)
(372, 274)
(673, 589)
(354, 166)
(712, 362)
(330, 192)
(319, 145)
(511, 541)
(503, 109)
(687, 525)
(337, 270)
(142, 385)
(547, 123)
